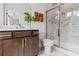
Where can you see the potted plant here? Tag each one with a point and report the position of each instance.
(28, 17)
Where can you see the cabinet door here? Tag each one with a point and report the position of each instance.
(0, 48)
(20, 46)
(31, 46)
(10, 47)
(13, 47)
(27, 51)
(34, 45)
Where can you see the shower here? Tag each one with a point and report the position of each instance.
(62, 25)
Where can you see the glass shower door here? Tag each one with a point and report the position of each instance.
(52, 25)
(69, 27)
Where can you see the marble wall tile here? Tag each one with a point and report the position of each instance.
(69, 33)
(52, 25)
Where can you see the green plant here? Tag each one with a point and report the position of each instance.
(28, 17)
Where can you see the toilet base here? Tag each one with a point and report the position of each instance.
(47, 50)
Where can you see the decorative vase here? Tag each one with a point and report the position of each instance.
(29, 24)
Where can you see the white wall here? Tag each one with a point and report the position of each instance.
(1, 13)
(48, 6)
(39, 7)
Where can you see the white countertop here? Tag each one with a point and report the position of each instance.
(18, 29)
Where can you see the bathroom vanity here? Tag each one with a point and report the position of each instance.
(19, 42)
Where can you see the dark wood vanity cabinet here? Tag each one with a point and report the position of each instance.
(19, 43)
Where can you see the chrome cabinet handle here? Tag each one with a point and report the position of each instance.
(25, 42)
(22, 43)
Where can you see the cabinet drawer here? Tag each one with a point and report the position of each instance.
(5, 35)
(21, 34)
(35, 32)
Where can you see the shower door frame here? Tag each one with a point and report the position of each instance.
(58, 23)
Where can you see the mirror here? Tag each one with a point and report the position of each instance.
(1, 14)
(13, 13)
(11, 18)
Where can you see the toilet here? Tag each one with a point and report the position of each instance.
(47, 46)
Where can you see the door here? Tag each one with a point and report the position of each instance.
(12, 47)
(53, 25)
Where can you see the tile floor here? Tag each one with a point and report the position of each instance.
(57, 52)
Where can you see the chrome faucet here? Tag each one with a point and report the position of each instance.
(19, 26)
